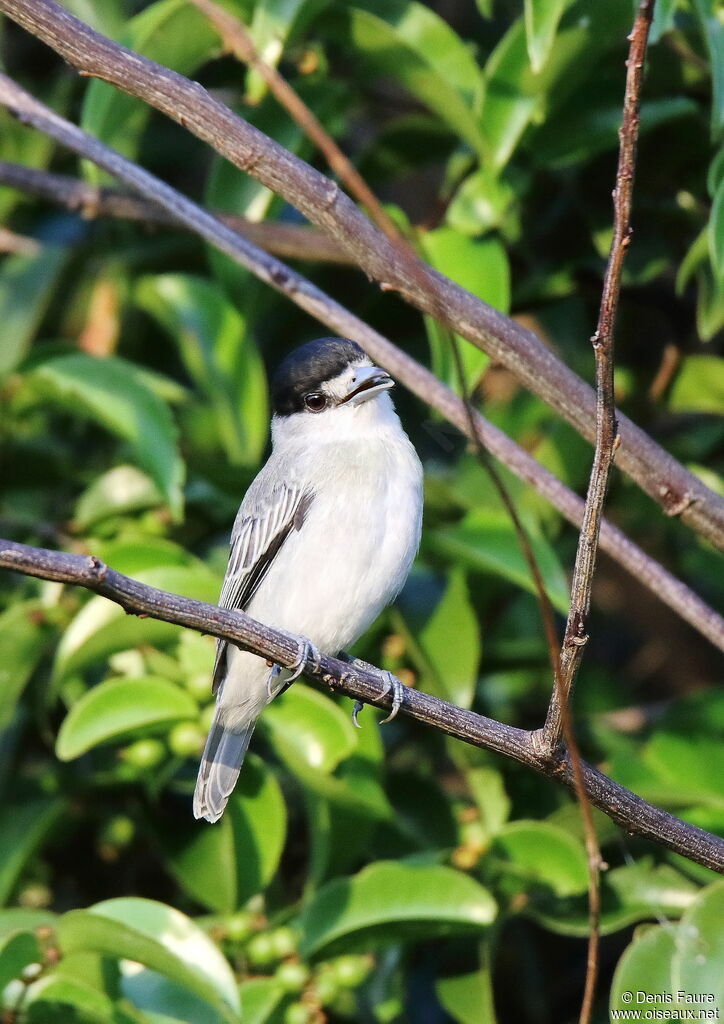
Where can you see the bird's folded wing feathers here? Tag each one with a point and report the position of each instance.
(259, 532)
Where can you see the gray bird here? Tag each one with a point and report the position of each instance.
(323, 540)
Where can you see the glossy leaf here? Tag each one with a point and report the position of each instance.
(57, 997)
(17, 950)
(716, 231)
(480, 266)
(388, 901)
(271, 25)
(697, 960)
(485, 540)
(23, 826)
(542, 854)
(121, 490)
(245, 845)
(408, 41)
(162, 1001)
(27, 284)
(305, 723)
(24, 637)
(120, 708)
(468, 998)
(541, 22)
(219, 354)
(260, 997)
(101, 628)
(644, 967)
(158, 937)
(112, 393)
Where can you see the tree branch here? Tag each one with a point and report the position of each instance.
(420, 381)
(625, 808)
(575, 636)
(665, 480)
(291, 241)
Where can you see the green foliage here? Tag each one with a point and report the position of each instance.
(373, 875)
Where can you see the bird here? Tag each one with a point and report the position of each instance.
(324, 539)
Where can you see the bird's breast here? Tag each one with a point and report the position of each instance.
(355, 547)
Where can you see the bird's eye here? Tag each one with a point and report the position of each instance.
(315, 402)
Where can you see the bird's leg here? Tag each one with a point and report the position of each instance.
(390, 682)
(305, 651)
(273, 673)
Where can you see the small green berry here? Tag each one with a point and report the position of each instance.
(260, 950)
(350, 971)
(297, 1013)
(199, 686)
(326, 987)
(283, 942)
(186, 739)
(144, 754)
(292, 976)
(240, 926)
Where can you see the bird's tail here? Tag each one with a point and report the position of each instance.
(220, 765)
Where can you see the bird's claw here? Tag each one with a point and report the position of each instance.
(305, 652)
(398, 695)
(391, 682)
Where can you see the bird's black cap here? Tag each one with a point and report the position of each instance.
(308, 367)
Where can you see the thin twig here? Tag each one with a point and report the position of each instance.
(629, 811)
(291, 241)
(237, 40)
(558, 720)
(673, 487)
(419, 380)
(606, 440)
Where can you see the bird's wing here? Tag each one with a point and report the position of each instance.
(262, 526)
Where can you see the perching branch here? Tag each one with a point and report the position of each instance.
(291, 241)
(678, 491)
(420, 381)
(575, 636)
(629, 811)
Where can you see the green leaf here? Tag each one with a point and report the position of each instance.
(644, 967)
(486, 541)
(414, 45)
(245, 846)
(712, 29)
(22, 829)
(692, 772)
(479, 205)
(259, 999)
(699, 386)
(488, 790)
(111, 392)
(118, 709)
(102, 628)
(480, 266)
(17, 950)
(122, 490)
(468, 998)
(388, 901)
(449, 671)
(219, 354)
(272, 24)
(716, 231)
(171, 32)
(158, 937)
(24, 636)
(697, 961)
(27, 284)
(58, 997)
(541, 853)
(541, 22)
(305, 723)
(163, 1001)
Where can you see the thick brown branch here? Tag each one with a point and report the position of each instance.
(661, 476)
(629, 811)
(291, 241)
(415, 377)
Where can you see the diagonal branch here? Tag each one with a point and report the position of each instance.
(420, 381)
(291, 241)
(665, 480)
(629, 811)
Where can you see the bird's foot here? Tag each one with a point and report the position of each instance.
(305, 651)
(390, 682)
(273, 673)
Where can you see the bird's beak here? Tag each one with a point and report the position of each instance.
(367, 382)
